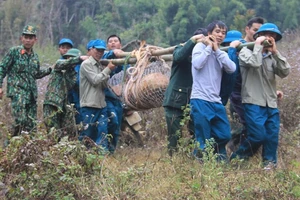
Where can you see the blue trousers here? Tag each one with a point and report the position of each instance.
(210, 121)
(114, 113)
(263, 124)
(96, 121)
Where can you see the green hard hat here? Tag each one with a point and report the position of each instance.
(72, 52)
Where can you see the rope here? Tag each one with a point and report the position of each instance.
(142, 90)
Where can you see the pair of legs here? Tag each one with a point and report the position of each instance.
(263, 124)
(24, 112)
(95, 125)
(210, 121)
(114, 114)
(62, 119)
(174, 117)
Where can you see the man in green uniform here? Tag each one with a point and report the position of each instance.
(177, 95)
(22, 67)
(63, 78)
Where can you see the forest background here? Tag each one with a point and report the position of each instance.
(39, 168)
(159, 22)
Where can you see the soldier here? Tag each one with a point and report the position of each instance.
(63, 78)
(177, 95)
(22, 67)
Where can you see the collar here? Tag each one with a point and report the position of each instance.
(23, 51)
(94, 61)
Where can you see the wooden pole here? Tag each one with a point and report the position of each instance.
(121, 61)
(169, 52)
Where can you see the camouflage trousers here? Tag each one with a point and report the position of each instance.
(63, 120)
(24, 113)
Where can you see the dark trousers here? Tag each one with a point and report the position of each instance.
(174, 117)
(24, 113)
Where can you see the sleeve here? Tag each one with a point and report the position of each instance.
(42, 71)
(5, 65)
(93, 77)
(248, 58)
(227, 64)
(200, 55)
(109, 55)
(232, 53)
(63, 64)
(281, 66)
(181, 52)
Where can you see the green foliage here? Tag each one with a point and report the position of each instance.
(89, 27)
(291, 20)
(160, 22)
(213, 14)
(48, 54)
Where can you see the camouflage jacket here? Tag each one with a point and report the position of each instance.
(22, 70)
(63, 78)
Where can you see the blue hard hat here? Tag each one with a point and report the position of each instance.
(99, 44)
(232, 36)
(270, 27)
(90, 44)
(66, 41)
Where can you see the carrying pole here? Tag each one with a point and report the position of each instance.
(166, 53)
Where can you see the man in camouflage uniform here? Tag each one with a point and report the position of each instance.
(57, 113)
(22, 67)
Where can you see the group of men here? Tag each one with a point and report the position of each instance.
(247, 78)
(202, 77)
(77, 92)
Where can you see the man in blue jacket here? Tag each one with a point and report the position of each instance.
(113, 102)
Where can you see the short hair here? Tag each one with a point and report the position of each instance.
(201, 31)
(111, 36)
(214, 24)
(258, 20)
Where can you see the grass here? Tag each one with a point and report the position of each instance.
(42, 169)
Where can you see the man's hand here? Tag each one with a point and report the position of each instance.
(235, 43)
(214, 42)
(279, 94)
(83, 57)
(198, 38)
(260, 40)
(272, 48)
(111, 66)
(207, 41)
(1, 93)
(118, 53)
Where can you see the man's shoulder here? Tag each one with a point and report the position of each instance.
(89, 61)
(16, 49)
